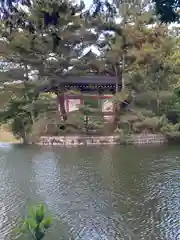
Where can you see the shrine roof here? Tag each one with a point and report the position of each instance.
(82, 83)
(89, 79)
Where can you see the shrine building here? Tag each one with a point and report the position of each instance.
(95, 91)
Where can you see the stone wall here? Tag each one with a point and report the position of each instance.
(101, 140)
(148, 139)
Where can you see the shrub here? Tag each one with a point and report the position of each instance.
(36, 224)
(153, 124)
(169, 128)
(173, 137)
(124, 137)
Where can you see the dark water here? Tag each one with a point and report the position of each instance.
(99, 192)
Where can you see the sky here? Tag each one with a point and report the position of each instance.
(88, 3)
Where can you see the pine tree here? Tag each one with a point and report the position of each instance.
(51, 50)
(34, 51)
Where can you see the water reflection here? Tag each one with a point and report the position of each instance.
(101, 192)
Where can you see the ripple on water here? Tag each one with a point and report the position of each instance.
(12, 201)
(98, 197)
(5, 146)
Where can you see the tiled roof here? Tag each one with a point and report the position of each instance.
(88, 79)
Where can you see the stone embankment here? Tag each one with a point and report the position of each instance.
(101, 140)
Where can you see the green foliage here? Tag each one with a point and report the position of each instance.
(169, 128)
(125, 137)
(37, 223)
(171, 132)
(173, 137)
(51, 50)
(151, 125)
(121, 96)
(168, 10)
(143, 58)
(23, 109)
(19, 120)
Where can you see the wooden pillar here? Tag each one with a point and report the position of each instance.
(81, 99)
(66, 100)
(58, 105)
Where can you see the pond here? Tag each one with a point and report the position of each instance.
(109, 192)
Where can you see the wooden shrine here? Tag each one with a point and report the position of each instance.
(95, 90)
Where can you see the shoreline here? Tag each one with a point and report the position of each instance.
(7, 137)
(135, 139)
(85, 140)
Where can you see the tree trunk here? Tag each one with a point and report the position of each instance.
(86, 123)
(158, 102)
(61, 103)
(24, 138)
(27, 98)
(120, 80)
(116, 114)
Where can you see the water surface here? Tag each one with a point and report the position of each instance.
(99, 192)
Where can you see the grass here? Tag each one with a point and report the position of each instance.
(7, 136)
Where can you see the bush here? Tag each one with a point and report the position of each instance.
(173, 137)
(173, 116)
(170, 128)
(124, 137)
(152, 125)
(36, 224)
(18, 119)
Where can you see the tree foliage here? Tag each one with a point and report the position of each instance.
(23, 108)
(43, 51)
(168, 10)
(46, 44)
